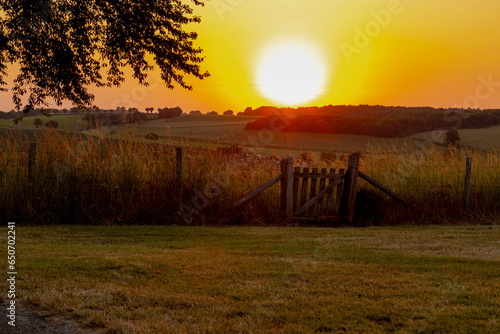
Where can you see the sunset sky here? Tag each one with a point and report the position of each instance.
(443, 53)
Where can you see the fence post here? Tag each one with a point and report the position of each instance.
(179, 171)
(32, 162)
(180, 164)
(350, 186)
(287, 189)
(468, 173)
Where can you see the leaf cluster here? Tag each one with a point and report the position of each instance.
(65, 46)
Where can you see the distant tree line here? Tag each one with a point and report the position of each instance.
(75, 111)
(377, 121)
(50, 124)
(169, 112)
(100, 120)
(163, 113)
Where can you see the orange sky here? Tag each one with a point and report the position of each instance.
(442, 53)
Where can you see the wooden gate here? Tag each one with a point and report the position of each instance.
(319, 196)
(315, 195)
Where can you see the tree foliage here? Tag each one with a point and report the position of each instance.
(377, 121)
(65, 46)
(169, 112)
(52, 124)
(38, 122)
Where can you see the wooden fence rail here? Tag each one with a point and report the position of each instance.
(260, 189)
(381, 187)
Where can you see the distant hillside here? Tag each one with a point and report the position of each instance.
(377, 121)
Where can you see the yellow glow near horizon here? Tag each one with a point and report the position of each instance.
(290, 73)
(391, 52)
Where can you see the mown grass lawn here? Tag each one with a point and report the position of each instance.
(264, 279)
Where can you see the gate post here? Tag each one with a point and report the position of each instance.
(287, 189)
(351, 182)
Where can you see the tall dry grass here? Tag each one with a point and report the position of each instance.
(84, 180)
(432, 180)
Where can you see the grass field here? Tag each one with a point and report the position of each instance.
(218, 130)
(264, 280)
(229, 130)
(66, 122)
(487, 138)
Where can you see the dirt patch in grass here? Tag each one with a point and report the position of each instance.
(32, 320)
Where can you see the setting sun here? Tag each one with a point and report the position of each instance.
(290, 73)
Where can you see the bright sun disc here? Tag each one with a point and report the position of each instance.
(291, 73)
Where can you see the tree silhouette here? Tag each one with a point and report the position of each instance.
(62, 47)
(52, 124)
(38, 122)
(169, 112)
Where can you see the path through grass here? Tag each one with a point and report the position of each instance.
(265, 280)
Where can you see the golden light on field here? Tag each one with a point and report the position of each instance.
(290, 73)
